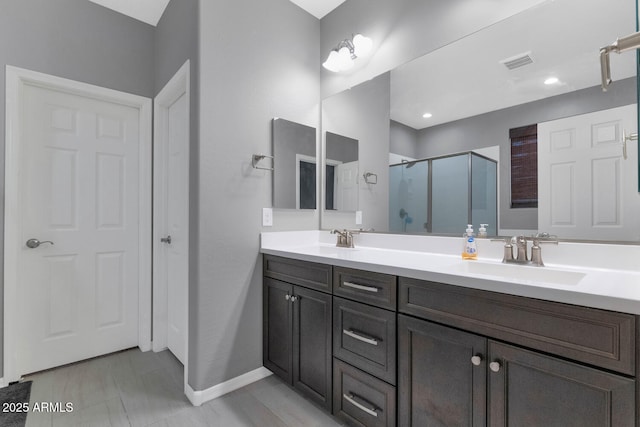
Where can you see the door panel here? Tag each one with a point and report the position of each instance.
(437, 381)
(277, 324)
(312, 345)
(78, 297)
(177, 176)
(532, 389)
(586, 187)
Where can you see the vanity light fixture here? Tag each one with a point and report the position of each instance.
(551, 81)
(342, 56)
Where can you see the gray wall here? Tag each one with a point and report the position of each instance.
(403, 140)
(78, 40)
(259, 60)
(493, 129)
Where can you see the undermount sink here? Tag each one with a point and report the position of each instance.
(520, 273)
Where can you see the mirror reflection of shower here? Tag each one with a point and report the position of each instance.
(442, 194)
(406, 219)
(407, 193)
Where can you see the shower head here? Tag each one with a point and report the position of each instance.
(408, 164)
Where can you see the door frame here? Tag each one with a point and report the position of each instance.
(178, 86)
(16, 80)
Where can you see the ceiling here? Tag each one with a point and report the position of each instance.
(318, 8)
(150, 11)
(466, 78)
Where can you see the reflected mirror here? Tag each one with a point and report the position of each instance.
(341, 172)
(294, 165)
(499, 79)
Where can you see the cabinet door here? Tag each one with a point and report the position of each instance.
(312, 345)
(277, 324)
(439, 384)
(531, 389)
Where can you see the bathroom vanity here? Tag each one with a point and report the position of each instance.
(382, 336)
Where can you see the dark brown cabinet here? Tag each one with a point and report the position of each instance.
(449, 377)
(438, 384)
(527, 389)
(297, 338)
(379, 350)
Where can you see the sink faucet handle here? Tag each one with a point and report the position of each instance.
(508, 249)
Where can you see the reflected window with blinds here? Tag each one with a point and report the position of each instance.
(524, 166)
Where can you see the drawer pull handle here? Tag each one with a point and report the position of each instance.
(351, 399)
(360, 287)
(360, 337)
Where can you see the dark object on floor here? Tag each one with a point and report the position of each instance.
(14, 404)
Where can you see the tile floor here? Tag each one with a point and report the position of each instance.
(132, 388)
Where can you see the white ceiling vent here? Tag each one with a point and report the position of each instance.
(518, 61)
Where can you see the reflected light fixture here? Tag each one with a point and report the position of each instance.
(427, 115)
(551, 81)
(341, 57)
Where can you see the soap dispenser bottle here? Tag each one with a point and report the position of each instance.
(482, 231)
(469, 249)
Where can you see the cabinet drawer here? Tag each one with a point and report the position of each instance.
(365, 337)
(361, 399)
(599, 337)
(303, 273)
(372, 288)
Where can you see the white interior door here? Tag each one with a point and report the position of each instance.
(586, 187)
(79, 188)
(171, 216)
(346, 191)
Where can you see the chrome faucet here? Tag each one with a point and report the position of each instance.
(521, 247)
(345, 237)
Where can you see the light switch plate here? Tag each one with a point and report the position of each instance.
(358, 217)
(267, 217)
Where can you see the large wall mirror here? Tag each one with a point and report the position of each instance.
(480, 92)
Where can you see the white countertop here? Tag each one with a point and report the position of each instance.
(602, 276)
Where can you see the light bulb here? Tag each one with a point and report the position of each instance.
(333, 62)
(344, 59)
(362, 45)
(551, 81)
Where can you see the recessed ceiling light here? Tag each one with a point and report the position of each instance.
(551, 81)
(427, 115)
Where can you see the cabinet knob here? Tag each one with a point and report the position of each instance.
(287, 297)
(495, 366)
(476, 360)
(294, 298)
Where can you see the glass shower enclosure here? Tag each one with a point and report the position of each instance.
(443, 194)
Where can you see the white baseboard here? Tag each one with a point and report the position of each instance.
(2, 383)
(197, 398)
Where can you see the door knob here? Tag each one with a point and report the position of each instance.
(476, 360)
(166, 239)
(34, 243)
